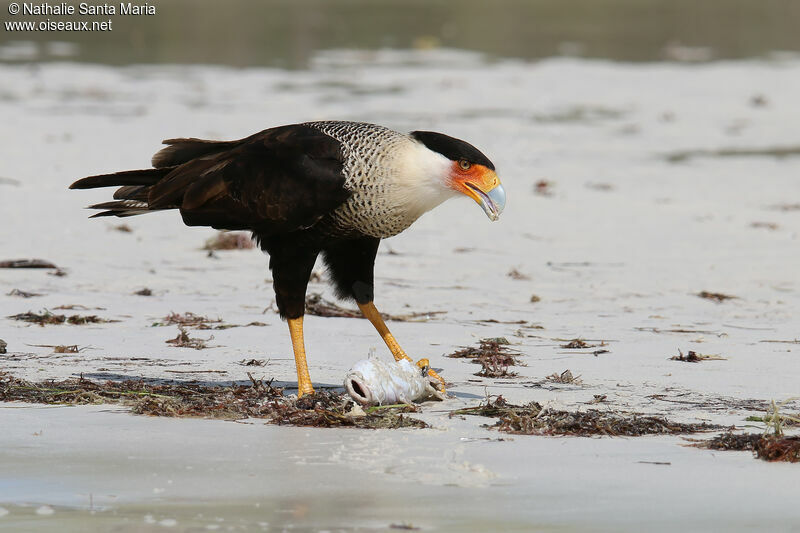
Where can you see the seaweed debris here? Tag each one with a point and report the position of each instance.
(253, 362)
(46, 318)
(187, 319)
(577, 344)
(772, 445)
(759, 100)
(22, 294)
(404, 527)
(715, 296)
(565, 377)
(494, 356)
(318, 306)
(543, 188)
(516, 274)
(533, 419)
(191, 399)
(580, 344)
(229, 240)
(27, 263)
(183, 340)
(697, 400)
(694, 357)
(59, 348)
(191, 320)
(771, 448)
(764, 225)
(144, 292)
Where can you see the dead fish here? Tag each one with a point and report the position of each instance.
(376, 382)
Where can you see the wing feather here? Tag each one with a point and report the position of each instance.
(275, 181)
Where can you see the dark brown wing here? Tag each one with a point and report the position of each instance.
(279, 180)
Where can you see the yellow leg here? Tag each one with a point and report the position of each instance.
(371, 313)
(298, 345)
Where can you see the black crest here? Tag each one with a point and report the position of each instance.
(452, 148)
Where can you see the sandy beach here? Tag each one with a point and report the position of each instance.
(632, 189)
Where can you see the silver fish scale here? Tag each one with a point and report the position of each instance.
(369, 152)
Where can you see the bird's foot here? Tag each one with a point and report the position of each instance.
(425, 365)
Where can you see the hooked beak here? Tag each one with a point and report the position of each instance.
(482, 185)
(492, 201)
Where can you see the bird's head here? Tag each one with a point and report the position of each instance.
(469, 172)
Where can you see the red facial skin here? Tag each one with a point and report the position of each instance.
(465, 177)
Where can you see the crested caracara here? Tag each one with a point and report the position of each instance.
(330, 188)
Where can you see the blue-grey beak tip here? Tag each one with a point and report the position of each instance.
(494, 202)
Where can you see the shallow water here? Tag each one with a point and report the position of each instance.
(289, 34)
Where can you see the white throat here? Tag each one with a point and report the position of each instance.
(421, 179)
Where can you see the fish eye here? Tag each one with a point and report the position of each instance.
(464, 164)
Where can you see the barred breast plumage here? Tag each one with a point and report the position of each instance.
(374, 165)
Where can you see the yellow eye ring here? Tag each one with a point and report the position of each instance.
(465, 165)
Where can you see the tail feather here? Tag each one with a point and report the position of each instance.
(180, 151)
(132, 192)
(147, 176)
(147, 190)
(119, 204)
(131, 197)
(122, 214)
(122, 208)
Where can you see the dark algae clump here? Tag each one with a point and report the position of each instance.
(191, 399)
(494, 356)
(533, 419)
(48, 318)
(766, 447)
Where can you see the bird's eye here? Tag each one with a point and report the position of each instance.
(465, 165)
